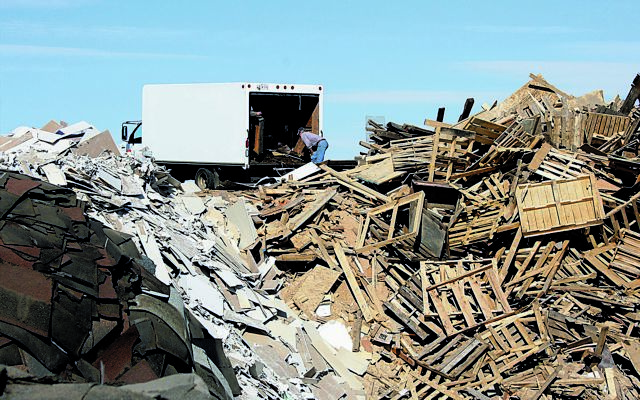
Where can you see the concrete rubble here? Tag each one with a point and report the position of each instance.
(490, 258)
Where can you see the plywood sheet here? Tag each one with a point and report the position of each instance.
(312, 290)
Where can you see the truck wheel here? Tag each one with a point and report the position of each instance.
(206, 179)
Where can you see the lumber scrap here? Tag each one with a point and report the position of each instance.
(367, 312)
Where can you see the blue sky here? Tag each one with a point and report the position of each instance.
(88, 59)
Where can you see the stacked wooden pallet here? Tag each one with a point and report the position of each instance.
(525, 283)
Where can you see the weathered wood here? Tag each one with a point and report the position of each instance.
(414, 201)
(367, 313)
(559, 205)
(343, 179)
(297, 221)
(546, 384)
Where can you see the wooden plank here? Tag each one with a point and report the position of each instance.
(464, 275)
(546, 383)
(423, 281)
(604, 269)
(442, 313)
(350, 183)
(555, 264)
(434, 154)
(322, 247)
(497, 290)
(440, 389)
(321, 200)
(367, 313)
(513, 249)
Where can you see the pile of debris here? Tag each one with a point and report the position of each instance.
(78, 304)
(490, 258)
(152, 283)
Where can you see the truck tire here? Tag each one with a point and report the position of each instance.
(207, 179)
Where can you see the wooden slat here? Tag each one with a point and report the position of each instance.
(367, 313)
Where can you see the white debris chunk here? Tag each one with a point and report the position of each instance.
(54, 174)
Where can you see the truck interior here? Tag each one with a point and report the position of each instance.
(274, 122)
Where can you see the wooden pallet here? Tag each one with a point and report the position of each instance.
(553, 164)
(451, 357)
(405, 301)
(438, 156)
(559, 205)
(602, 126)
(535, 273)
(559, 380)
(489, 189)
(486, 132)
(510, 342)
(526, 270)
(514, 137)
(425, 387)
(463, 294)
(479, 224)
(618, 262)
(566, 128)
(623, 215)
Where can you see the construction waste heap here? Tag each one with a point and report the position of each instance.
(494, 258)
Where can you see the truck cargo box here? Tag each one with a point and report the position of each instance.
(212, 124)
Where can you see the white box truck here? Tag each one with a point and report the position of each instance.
(232, 131)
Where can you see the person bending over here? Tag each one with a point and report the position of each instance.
(316, 143)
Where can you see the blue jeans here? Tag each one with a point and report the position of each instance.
(318, 155)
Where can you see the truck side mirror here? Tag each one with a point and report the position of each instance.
(125, 133)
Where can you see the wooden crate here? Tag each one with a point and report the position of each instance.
(514, 137)
(559, 205)
(440, 155)
(393, 234)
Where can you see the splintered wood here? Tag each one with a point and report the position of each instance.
(497, 257)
